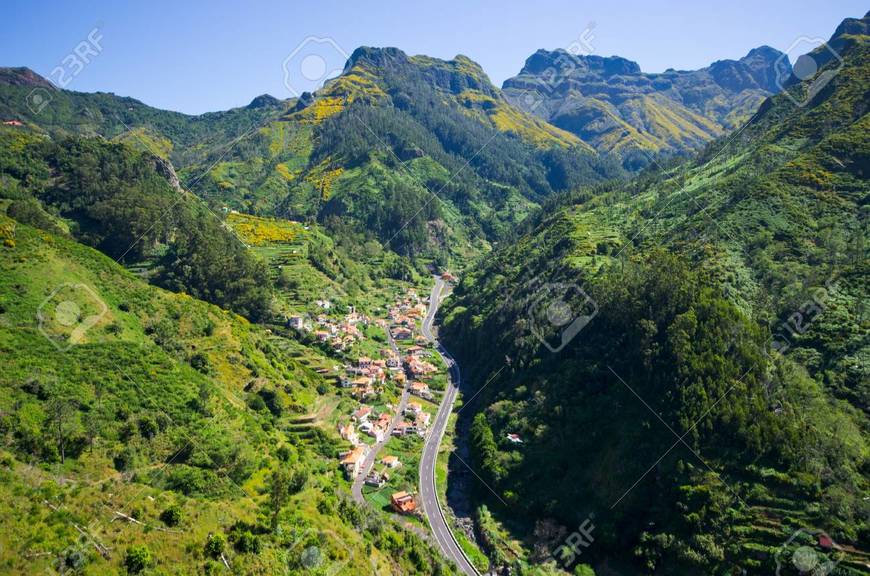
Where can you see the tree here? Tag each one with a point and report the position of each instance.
(279, 494)
(64, 419)
(138, 559)
(215, 544)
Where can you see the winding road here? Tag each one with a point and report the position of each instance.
(428, 492)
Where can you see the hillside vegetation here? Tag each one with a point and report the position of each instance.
(728, 336)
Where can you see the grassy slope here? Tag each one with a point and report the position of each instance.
(134, 364)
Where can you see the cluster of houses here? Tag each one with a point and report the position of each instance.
(368, 375)
(364, 421)
(403, 316)
(340, 334)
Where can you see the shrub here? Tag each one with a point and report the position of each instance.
(215, 545)
(172, 515)
(138, 559)
(247, 542)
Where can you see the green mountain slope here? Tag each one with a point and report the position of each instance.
(424, 155)
(123, 202)
(728, 309)
(147, 428)
(612, 105)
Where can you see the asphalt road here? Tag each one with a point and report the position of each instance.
(428, 496)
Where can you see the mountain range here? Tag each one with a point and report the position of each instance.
(613, 106)
(660, 316)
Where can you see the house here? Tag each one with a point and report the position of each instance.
(345, 382)
(391, 461)
(413, 408)
(418, 367)
(448, 277)
(421, 389)
(353, 459)
(403, 503)
(400, 377)
(376, 479)
(296, 322)
(402, 334)
(362, 381)
(394, 363)
(363, 393)
(362, 414)
(383, 420)
(514, 439)
(401, 428)
(348, 432)
(364, 362)
(372, 430)
(422, 420)
(376, 432)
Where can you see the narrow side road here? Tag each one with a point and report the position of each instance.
(370, 460)
(428, 492)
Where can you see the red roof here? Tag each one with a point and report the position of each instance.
(825, 541)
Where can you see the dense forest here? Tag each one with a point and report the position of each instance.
(725, 330)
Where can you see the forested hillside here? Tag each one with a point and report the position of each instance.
(723, 332)
(422, 155)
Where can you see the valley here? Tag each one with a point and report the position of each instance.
(593, 321)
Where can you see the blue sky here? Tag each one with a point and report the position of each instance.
(198, 57)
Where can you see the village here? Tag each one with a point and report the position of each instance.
(390, 388)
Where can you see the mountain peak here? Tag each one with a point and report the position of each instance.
(263, 101)
(543, 60)
(378, 57)
(23, 76)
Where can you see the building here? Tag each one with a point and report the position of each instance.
(348, 432)
(514, 439)
(362, 414)
(402, 428)
(421, 389)
(352, 460)
(402, 334)
(403, 503)
(376, 479)
(422, 420)
(391, 461)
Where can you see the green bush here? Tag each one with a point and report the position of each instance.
(215, 544)
(138, 558)
(172, 515)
